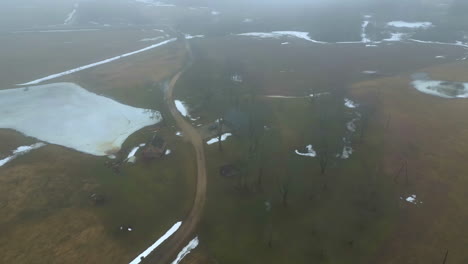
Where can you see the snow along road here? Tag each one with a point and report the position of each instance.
(57, 75)
(168, 251)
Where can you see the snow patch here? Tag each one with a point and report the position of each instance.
(68, 115)
(186, 250)
(158, 242)
(216, 139)
(248, 20)
(346, 153)
(168, 151)
(57, 75)
(20, 151)
(310, 152)
(369, 72)
(280, 34)
(396, 37)
(412, 199)
(350, 104)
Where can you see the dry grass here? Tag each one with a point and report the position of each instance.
(431, 135)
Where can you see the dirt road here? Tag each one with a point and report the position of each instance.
(169, 250)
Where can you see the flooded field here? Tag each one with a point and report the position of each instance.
(202, 132)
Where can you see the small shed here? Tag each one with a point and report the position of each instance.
(155, 148)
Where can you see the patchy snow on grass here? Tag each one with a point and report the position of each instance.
(20, 151)
(280, 34)
(186, 250)
(158, 242)
(216, 139)
(411, 199)
(414, 25)
(346, 153)
(350, 104)
(168, 151)
(351, 125)
(68, 115)
(364, 37)
(310, 152)
(57, 75)
(237, 78)
(178, 133)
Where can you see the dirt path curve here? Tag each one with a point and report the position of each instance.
(169, 250)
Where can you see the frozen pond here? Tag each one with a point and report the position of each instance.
(445, 89)
(68, 115)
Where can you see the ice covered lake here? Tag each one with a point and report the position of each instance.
(68, 115)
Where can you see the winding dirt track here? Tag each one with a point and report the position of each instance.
(169, 250)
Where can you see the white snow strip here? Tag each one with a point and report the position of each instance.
(186, 250)
(216, 139)
(181, 108)
(58, 30)
(70, 16)
(285, 43)
(151, 39)
(404, 24)
(310, 152)
(458, 43)
(155, 3)
(350, 104)
(158, 242)
(369, 72)
(279, 34)
(187, 36)
(285, 97)
(319, 94)
(20, 151)
(440, 57)
(215, 13)
(68, 115)
(131, 156)
(57, 75)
